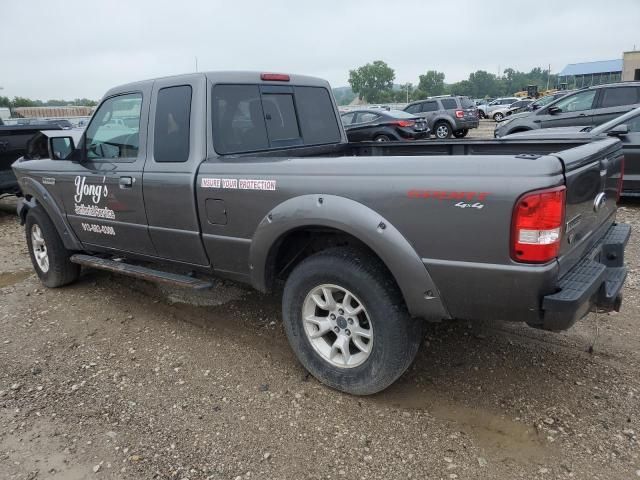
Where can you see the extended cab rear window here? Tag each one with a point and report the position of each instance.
(248, 118)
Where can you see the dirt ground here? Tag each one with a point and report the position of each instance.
(113, 378)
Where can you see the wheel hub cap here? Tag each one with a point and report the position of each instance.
(39, 248)
(337, 326)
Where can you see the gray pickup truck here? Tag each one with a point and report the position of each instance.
(249, 176)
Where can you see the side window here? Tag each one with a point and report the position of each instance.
(577, 103)
(614, 97)
(449, 103)
(280, 117)
(238, 121)
(171, 131)
(415, 108)
(430, 107)
(364, 117)
(114, 132)
(347, 118)
(317, 116)
(634, 125)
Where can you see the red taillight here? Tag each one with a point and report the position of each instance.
(405, 123)
(275, 77)
(537, 225)
(620, 180)
(459, 113)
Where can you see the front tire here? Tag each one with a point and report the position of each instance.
(481, 114)
(370, 344)
(49, 257)
(498, 117)
(382, 138)
(461, 133)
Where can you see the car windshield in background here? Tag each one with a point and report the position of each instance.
(467, 103)
(631, 119)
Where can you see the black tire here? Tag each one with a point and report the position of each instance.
(481, 114)
(382, 138)
(461, 133)
(498, 116)
(60, 271)
(442, 130)
(396, 335)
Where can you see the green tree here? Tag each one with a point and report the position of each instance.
(431, 83)
(373, 82)
(25, 102)
(5, 102)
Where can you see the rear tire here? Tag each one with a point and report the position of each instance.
(381, 138)
(442, 130)
(498, 117)
(461, 133)
(481, 114)
(344, 279)
(49, 257)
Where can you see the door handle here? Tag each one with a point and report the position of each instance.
(125, 182)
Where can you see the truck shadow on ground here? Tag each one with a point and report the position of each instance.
(493, 382)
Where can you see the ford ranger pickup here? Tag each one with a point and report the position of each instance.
(249, 176)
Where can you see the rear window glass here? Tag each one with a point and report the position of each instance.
(246, 120)
(280, 117)
(317, 116)
(613, 97)
(449, 103)
(430, 107)
(238, 121)
(399, 114)
(415, 108)
(467, 103)
(171, 131)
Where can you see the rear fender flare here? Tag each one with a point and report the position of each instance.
(35, 194)
(317, 210)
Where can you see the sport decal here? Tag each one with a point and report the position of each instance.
(238, 183)
(91, 193)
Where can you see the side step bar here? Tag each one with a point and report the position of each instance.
(141, 272)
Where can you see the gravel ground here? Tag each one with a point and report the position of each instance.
(115, 378)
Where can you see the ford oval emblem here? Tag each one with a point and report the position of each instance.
(599, 202)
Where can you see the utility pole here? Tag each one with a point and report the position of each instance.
(407, 92)
(196, 64)
(548, 76)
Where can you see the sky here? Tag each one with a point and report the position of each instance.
(80, 48)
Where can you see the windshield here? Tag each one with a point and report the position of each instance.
(617, 121)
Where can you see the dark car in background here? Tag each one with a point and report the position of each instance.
(447, 115)
(585, 107)
(380, 125)
(626, 127)
(519, 106)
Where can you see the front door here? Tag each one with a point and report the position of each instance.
(575, 110)
(102, 192)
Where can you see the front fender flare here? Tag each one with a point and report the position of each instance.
(35, 194)
(317, 210)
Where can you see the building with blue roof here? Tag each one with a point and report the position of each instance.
(577, 75)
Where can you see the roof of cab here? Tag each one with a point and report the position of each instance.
(243, 77)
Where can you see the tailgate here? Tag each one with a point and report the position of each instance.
(593, 173)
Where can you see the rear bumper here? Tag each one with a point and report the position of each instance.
(595, 282)
(462, 123)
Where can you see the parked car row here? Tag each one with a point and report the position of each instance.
(443, 116)
(586, 107)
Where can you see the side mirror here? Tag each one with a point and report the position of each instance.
(554, 110)
(619, 130)
(61, 148)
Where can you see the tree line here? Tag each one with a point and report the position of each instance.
(374, 83)
(27, 102)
